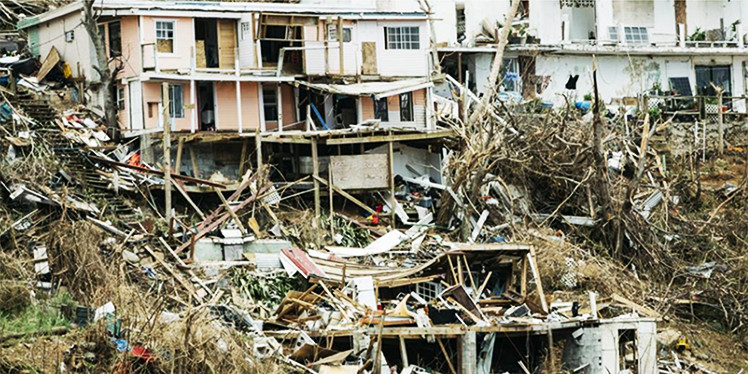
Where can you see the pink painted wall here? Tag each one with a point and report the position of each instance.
(124, 115)
(130, 47)
(227, 118)
(250, 106)
(289, 102)
(152, 96)
(184, 41)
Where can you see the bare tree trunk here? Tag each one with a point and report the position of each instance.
(601, 168)
(493, 78)
(106, 76)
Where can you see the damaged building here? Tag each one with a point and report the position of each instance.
(353, 110)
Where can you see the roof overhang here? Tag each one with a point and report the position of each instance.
(217, 9)
(377, 90)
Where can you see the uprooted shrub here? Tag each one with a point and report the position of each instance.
(75, 258)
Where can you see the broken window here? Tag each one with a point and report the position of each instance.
(270, 104)
(628, 355)
(406, 107)
(115, 39)
(245, 31)
(176, 101)
(636, 35)
(332, 33)
(165, 36)
(460, 10)
(402, 38)
(380, 109)
(120, 99)
(720, 75)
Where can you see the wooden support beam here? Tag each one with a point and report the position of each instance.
(446, 356)
(393, 201)
(178, 186)
(167, 152)
(178, 162)
(315, 166)
(536, 277)
(347, 196)
(231, 212)
(193, 159)
(243, 157)
(404, 353)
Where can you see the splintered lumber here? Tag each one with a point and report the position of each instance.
(231, 212)
(178, 186)
(346, 195)
(212, 216)
(446, 356)
(212, 226)
(536, 277)
(636, 307)
(157, 172)
(177, 276)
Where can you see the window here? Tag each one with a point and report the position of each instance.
(176, 101)
(165, 36)
(270, 104)
(636, 35)
(406, 107)
(332, 33)
(245, 30)
(115, 39)
(120, 99)
(402, 38)
(380, 109)
(613, 32)
(720, 75)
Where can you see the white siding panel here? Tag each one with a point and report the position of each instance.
(246, 44)
(402, 63)
(135, 92)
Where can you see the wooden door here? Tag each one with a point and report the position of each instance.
(369, 51)
(226, 43)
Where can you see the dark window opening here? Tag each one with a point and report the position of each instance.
(380, 109)
(406, 107)
(460, 23)
(176, 101)
(115, 39)
(276, 37)
(719, 75)
(206, 105)
(206, 43)
(270, 103)
(628, 351)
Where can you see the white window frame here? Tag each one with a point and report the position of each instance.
(173, 107)
(635, 35)
(120, 98)
(173, 36)
(402, 37)
(332, 33)
(245, 30)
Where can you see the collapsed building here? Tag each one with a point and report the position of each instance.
(345, 107)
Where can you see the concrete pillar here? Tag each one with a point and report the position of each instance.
(468, 353)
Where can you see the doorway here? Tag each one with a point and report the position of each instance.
(206, 105)
(206, 43)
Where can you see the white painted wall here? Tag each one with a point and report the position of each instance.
(79, 51)
(629, 76)
(246, 44)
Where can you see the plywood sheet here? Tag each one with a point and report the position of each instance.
(226, 43)
(369, 51)
(360, 171)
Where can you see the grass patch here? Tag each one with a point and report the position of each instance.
(41, 316)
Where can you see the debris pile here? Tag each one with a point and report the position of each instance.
(544, 238)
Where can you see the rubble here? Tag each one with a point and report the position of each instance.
(526, 241)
